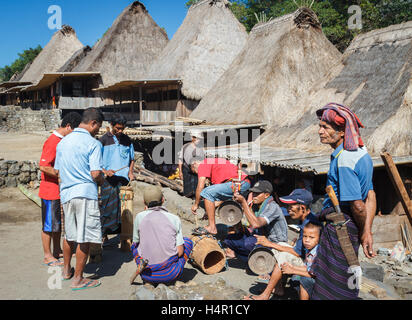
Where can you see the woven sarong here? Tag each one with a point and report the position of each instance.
(333, 279)
(110, 211)
(167, 271)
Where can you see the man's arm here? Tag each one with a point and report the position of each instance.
(49, 171)
(97, 177)
(200, 186)
(180, 251)
(255, 222)
(131, 171)
(266, 243)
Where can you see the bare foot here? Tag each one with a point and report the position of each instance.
(52, 262)
(211, 230)
(85, 284)
(230, 253)
(251, 297)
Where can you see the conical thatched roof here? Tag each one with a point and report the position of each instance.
(374, 80)
(202, 49)
(54, 55)
(279, 63)
(127, 48)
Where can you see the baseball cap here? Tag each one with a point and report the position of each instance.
(152, 194)
(300, 196)
(263, 186)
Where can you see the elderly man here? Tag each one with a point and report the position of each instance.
(190, 151)
(79, 165)
(222, 174)
(350, 175)
(118, 165)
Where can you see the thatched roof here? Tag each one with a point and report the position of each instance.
(127, 48)
(202, 49)
(78, 56)
(54, 55)
(278, 65)
(374, 80)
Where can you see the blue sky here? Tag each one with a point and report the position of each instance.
(23, 23)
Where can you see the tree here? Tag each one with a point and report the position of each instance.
(27, 56)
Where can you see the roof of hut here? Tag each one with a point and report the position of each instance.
(54, 55)
(127, 48)
(75, 59)
(279, 63)
(202, 49)
(374, 80)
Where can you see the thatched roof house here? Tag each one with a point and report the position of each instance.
(202, 48)
(54, 55)
(374, 80)
(280, 62)
(126, 49)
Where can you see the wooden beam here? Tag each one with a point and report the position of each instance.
(398, 184)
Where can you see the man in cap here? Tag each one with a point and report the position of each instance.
(190, 152)
(223, 175)
(298, 204)
(159, 249)
(265, 218)
(350, 175)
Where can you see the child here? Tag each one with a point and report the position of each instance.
(302, 279)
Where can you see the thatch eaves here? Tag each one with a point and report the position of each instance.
(127, 49)
(279, 64)
(54, 55)
(374, 80)
(202, 49)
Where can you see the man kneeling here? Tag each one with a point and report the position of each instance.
(159, 249)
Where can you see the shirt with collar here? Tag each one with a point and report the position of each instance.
(77, 155)
(310, 257)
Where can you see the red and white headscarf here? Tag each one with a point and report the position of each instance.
(340, 115)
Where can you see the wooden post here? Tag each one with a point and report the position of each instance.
(398, 184)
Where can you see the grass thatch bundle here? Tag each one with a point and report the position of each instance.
(374, 80)
(127, 48)
(278, 65)
(54, 55)
(202, 49)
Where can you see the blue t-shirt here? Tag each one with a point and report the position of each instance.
(77, 155)
(350, 175)
(117, 153)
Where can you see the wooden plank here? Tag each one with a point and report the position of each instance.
(398, 184)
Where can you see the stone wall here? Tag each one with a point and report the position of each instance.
(13, 173)
(18, 119)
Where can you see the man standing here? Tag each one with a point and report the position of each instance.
(79, 164)
(190, 151)
(222, 174)
(268, 221)
(118, 166)
(49, 191)
(350, 175)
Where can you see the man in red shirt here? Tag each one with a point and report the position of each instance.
(49, 191)
(221, 173)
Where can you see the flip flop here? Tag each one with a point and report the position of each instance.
(250, 297)
(71, 275)
(56, 263)
(264, 281)
(201, 231)
(88, 285)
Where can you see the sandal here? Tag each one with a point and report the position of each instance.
(56, 263)
(201, 231)
(249, 297)
(87, 285)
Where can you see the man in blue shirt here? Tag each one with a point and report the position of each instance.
(118, 166)
(350, 175)
(79, 166)
(299, 203)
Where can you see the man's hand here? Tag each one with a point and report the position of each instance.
(131, 176)
(194, 209)
(287, 268)
(367, 244)
(239, 198)
(263, 241)
(109, 173)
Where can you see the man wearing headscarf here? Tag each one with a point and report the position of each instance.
(350, 175)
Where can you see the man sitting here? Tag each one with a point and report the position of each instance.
(267, 221)
(159, 249)
(221, 173)
(299, 209)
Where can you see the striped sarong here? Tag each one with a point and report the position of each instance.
(110, 213)
(333, 280)
(167, 271)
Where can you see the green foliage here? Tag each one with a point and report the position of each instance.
(333, 14)
(18, 65)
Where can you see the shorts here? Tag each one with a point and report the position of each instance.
(223, 191)
(286, 257)
(51, 215)
(82, 221)
(305, 282)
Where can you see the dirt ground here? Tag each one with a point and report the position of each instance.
(22, 147)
